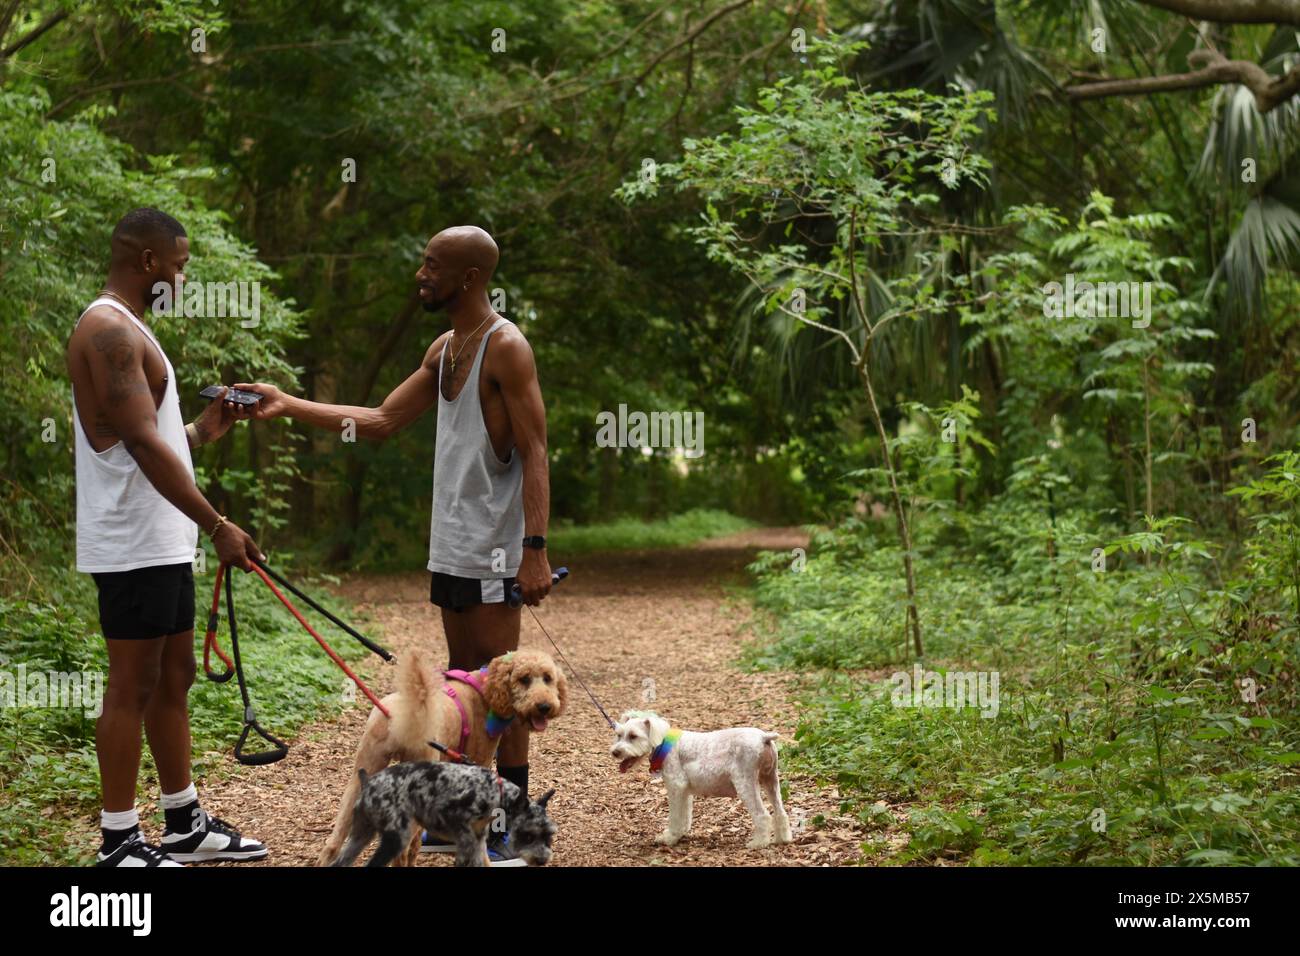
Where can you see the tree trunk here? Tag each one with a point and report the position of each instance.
(1146, 430)
(904, 534)
(345, 547)
(357, 466)
(609, 468)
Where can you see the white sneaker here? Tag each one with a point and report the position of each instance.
(211, 839)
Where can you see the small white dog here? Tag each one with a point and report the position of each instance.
(724, 763)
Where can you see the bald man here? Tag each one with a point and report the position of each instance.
(137, 511)
(491, 486)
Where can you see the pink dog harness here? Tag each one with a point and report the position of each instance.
(496, 726)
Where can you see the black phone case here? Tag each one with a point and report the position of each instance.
(238, 397)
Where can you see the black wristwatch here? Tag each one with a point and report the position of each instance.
(535, 541)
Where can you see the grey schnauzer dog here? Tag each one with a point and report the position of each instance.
(463, 802)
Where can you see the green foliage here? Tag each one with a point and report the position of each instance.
(1179, 781)
(1274, 550)
(631, 534)
(825, 172)
(1128, 691)
(850, 195)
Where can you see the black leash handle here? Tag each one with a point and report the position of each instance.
(281, 749)
(263, 757)
(517, 596)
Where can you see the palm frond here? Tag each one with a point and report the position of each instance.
(1267, 235)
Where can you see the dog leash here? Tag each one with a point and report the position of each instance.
(235, 668)
(516, 600)
(382, 652)
(451, 752)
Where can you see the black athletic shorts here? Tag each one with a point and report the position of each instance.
(456, 594)
(147, 602)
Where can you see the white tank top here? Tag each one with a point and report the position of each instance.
(123, 523)
(477, 528)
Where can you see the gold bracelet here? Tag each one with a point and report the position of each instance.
(192, 431)
(221, 519)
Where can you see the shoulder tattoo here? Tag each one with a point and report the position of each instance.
(125, 378)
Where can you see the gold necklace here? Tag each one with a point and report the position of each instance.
(455, 355)
(129, 306)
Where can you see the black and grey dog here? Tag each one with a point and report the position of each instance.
(463, 802)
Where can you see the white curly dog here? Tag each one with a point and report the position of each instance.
(739, 761)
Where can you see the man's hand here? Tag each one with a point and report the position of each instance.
(235, 547)
(534, 578)
(217, 418)
(274, 403)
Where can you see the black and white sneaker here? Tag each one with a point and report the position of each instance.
(211, 839)
(133, 851)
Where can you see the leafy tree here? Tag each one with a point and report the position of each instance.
(819, 201)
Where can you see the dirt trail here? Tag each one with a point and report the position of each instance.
(629, 622)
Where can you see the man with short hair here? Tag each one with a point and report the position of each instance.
(491, 490)
(137, 506)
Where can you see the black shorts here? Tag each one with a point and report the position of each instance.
(456, 594)
(146, 603)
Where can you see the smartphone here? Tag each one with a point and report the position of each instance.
(234, 395)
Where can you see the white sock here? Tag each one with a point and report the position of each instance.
(174, 801)
(119, 819)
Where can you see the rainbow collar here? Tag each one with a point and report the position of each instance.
(660, 753)
(495, 724)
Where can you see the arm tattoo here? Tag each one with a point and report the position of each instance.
(102, 427)
(125, 377)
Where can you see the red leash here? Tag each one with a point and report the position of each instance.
(210, 641)
(321, 641)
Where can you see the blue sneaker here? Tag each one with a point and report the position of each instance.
(501, 854)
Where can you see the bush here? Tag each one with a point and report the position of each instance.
(1125, 732)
